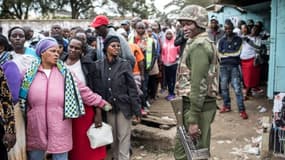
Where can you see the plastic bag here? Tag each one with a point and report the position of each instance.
(99, 137)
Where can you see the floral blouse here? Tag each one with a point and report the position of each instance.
(6, 108)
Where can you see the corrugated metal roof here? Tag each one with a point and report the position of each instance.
(219, 7)
(242, 2)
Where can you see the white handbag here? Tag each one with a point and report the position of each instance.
(99, 137)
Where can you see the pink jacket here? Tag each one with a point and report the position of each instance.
(170, 53)
(46, 128)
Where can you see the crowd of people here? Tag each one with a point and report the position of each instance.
(55, 85)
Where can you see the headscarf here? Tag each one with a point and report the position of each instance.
(44, 44)
(73, 105)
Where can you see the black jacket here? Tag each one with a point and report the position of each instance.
(180, 41)
(87, 67)
(115, 83)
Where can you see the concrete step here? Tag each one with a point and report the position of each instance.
(153, 138)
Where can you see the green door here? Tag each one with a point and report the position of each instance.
(276, 79)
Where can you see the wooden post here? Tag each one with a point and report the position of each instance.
(264, 152)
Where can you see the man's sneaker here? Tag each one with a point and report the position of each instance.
(257, 90)
(146, 109)
(167, 97)
(147, 104)
(162, 91)
(225, 109)
(243, 115)
(171, 97)
(143, 113)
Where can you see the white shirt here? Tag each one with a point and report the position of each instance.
(47, 72)
(248, 51)
(23, 61)
(77, 70)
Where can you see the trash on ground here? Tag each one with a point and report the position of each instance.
(143, 154)
(167, 118)
(261, 109)
(138, 157)
(256, 140)
(251, 150)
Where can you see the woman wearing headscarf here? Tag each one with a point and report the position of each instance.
(169, 57)
(7, 120)
(113, 79)
(81, 66)
(51, 96)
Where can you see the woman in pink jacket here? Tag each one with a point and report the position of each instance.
(51, 97)
(169, 57)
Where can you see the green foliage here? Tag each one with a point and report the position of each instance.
(15, 9)
(80, 7)
(136, 8)
(182, 3)
(19, 9)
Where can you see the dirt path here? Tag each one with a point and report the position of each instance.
(230, 133)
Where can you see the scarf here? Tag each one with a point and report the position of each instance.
(4, 57)
(73, 105)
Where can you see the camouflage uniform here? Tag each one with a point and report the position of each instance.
(197, 80)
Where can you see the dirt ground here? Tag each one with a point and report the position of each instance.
(231, 135)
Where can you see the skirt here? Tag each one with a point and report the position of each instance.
(18, 152)
(250, 73)
(81, 145)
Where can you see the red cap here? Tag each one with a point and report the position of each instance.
(99, 21)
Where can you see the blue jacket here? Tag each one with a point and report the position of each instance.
(229, 51)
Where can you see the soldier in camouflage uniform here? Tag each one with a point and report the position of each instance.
(197, 78)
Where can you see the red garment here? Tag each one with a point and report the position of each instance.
(250, 73)
(81, 146)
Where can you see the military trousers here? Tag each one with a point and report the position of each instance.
(205, 120)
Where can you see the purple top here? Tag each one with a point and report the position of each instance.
(13, 76)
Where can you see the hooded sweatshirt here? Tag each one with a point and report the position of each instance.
(170, 52)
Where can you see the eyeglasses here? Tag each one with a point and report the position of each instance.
(114, 46)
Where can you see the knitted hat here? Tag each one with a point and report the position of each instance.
(44, 44)
(108, 41)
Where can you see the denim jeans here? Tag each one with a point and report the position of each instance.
(231, 74)
(170, 75)
(39, 155)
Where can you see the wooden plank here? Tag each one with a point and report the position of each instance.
(159, 120)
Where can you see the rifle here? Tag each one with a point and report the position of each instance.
(190, 149)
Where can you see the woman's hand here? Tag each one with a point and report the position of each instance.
(9, 140)
(107, 107)
(98, 118)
